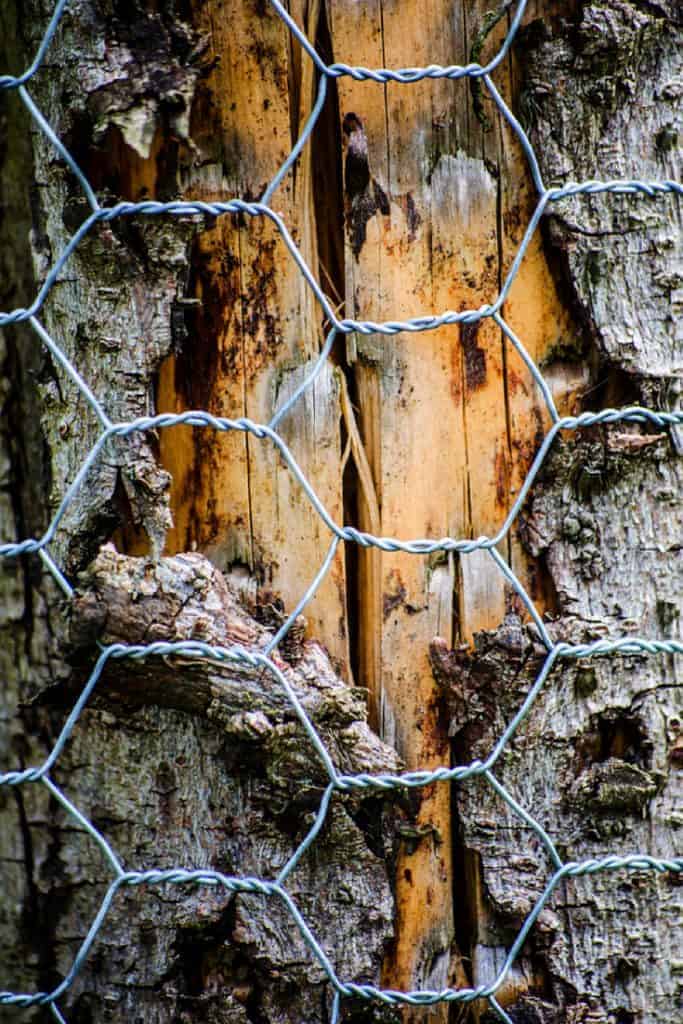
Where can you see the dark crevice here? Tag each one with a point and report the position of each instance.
(192, 946)
(28, 479)
(52, 906)
(27, 483)
(376, 818)
(328, 178)
(622, 737)
(203, 955)
(328, 201)
(542, 588)
(196, 326)
(30, 909)
(352, 509)
(556, 240)
(28, 465)
(128, 536)
(612, 734)
(614, 389)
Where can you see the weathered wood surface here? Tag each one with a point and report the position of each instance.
(450, 417)
(251, 326)
(152, 104)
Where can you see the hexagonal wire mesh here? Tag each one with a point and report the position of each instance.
(338, 783)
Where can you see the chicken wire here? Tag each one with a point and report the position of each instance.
(276, 888)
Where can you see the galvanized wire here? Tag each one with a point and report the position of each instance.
(338, 784)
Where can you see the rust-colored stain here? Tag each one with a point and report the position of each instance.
(502, 477)
(475, 356)
(456, 373)
(203, 522)
(413, 218)
(199, 358)
(260, 314)
(525, 448)
(394, 596)
(513, 221)
(516, 384)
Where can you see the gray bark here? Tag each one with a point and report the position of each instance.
(203, 768)
(598, 761)
(193, 765)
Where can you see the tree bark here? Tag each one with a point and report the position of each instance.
(410, 199)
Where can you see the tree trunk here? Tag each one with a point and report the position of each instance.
(409, 199)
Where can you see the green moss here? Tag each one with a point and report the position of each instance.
(489, 22)
(595, 268)
(666, 140)
(566, 349)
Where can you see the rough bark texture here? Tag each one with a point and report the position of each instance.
(242, 788)
(598, 762)
(186, 779)
(196, 765)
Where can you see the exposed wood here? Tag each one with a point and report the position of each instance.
(403, 600)
(447, 433)
(256, 327)
(536, 309)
